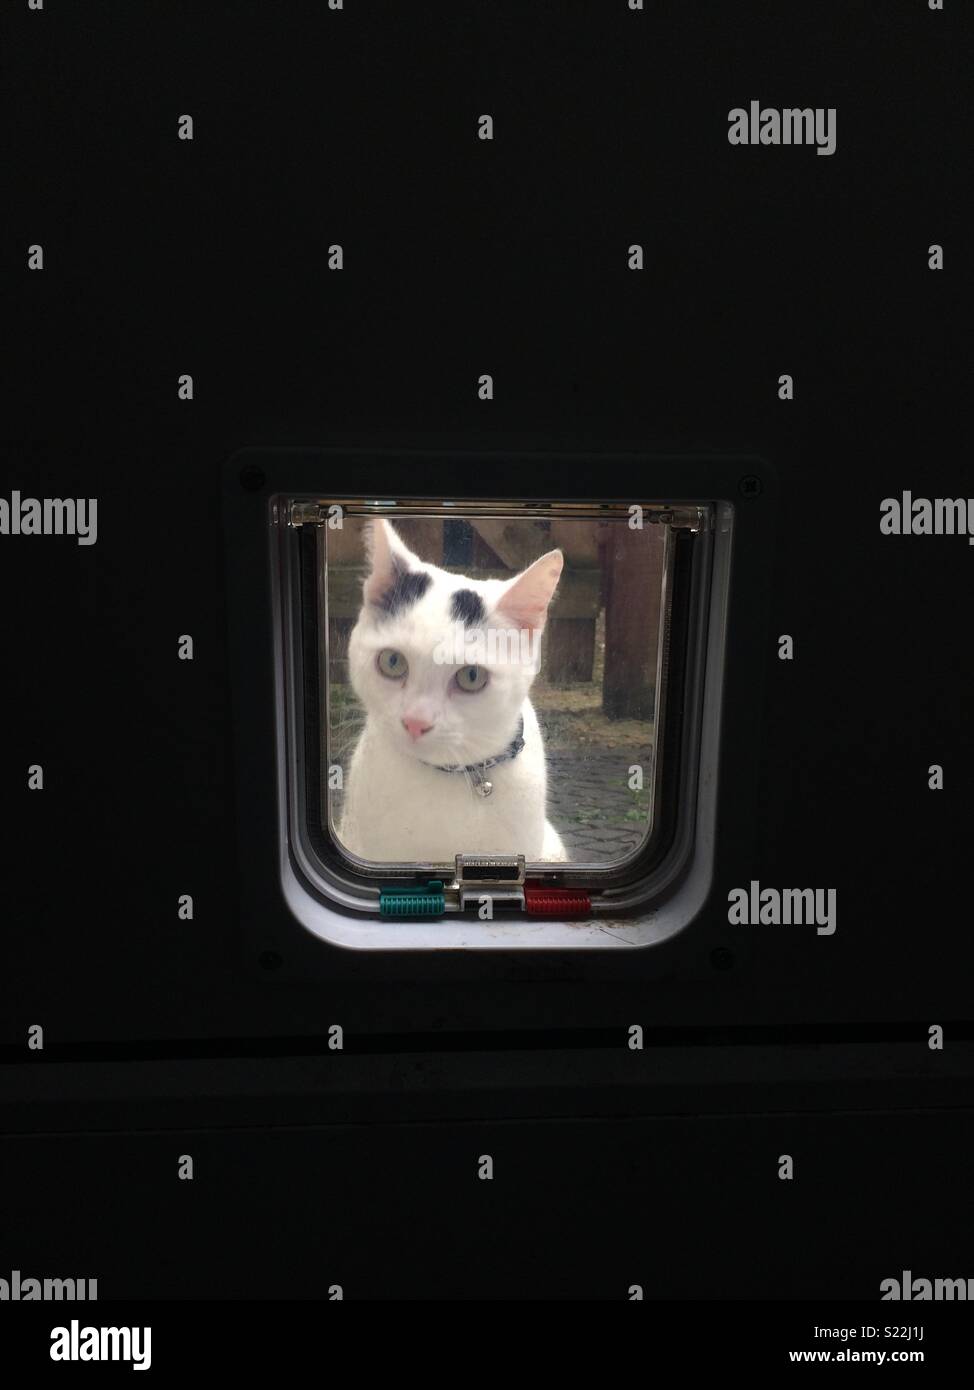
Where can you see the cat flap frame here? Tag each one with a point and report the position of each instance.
(650, 531)
(634, 904)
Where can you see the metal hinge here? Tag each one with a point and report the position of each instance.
(685, 517)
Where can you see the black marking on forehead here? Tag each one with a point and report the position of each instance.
(408, 587)
(467, 607)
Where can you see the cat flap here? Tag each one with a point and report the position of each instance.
(489, 702)
(492, 681)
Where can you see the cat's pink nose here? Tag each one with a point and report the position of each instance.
(415, 728)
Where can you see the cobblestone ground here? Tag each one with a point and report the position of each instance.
(590, 804)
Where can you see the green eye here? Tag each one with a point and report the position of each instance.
(470, 679)
(392, 664)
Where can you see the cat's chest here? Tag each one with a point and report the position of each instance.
(405, 809)
(476, 794)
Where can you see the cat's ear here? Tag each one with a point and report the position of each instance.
(388, 557)
(525, 601)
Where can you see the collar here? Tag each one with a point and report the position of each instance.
(476, 771)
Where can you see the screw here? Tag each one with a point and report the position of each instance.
(252, 478)
(270, 960)
(750, 486)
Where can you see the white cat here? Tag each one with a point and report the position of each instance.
(451, 759)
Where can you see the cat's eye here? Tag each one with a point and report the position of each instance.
(577, 807)
(392, 664)
(470, 679)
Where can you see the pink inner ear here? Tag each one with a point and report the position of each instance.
(526, 602)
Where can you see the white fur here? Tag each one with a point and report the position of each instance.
(399, 805)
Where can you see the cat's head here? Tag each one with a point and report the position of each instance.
(442, 662)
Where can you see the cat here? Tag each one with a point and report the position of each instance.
(451, 759)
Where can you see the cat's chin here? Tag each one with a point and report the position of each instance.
(433, 757)
(450, 758)
(445, 756)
